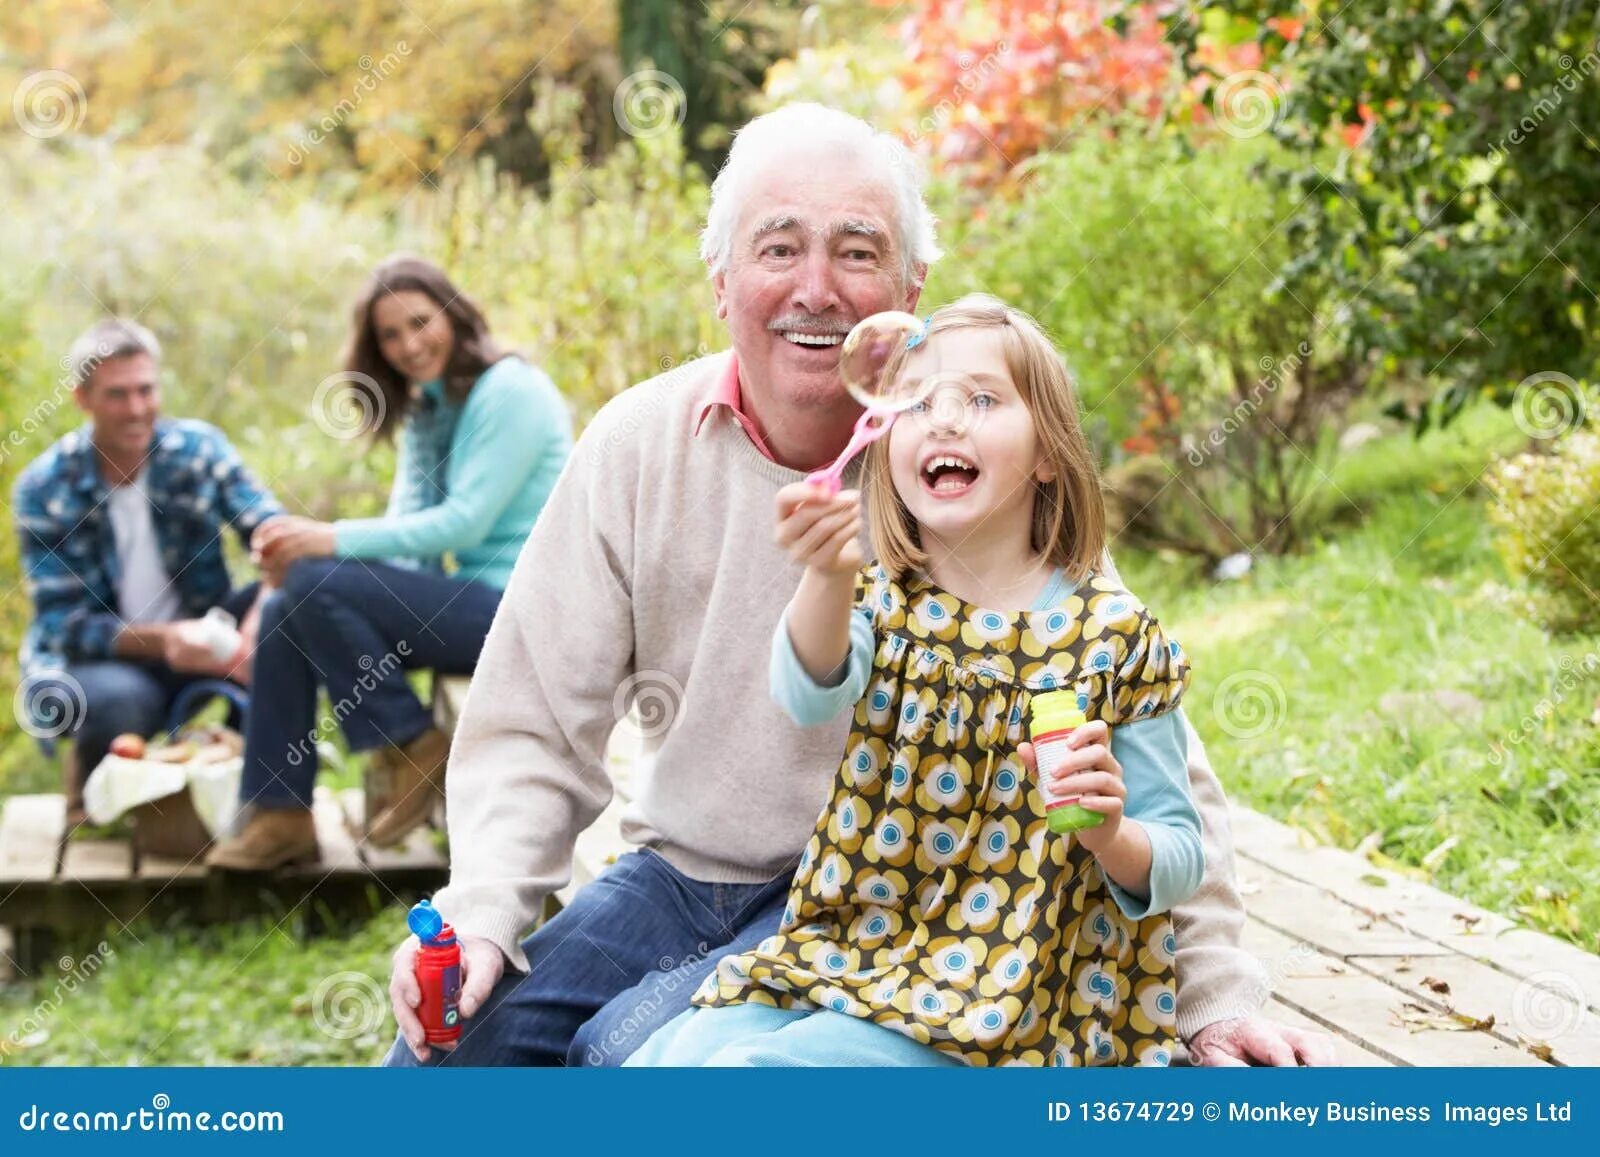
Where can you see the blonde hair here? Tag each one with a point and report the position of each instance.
(1069, 515)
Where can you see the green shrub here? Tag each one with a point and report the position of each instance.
(1152, 262)
(1542, 512)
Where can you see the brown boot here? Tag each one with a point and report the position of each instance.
(418, 770)
(272, 838)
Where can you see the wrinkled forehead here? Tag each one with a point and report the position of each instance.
(820, 196)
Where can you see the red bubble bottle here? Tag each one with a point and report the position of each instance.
(438, 974)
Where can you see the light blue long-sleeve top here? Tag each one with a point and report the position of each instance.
(499, 454)
(1154, 754)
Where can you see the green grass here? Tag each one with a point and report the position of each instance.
(1400, 592)
(256, 992)
(1408, 598)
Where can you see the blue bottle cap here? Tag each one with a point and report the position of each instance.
(425, 922)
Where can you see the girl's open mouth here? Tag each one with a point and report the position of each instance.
(948, 475)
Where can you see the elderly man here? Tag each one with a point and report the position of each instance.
(670, 580)
(121, 527)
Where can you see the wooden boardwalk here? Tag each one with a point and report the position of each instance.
(1398, 972)
(53, 885)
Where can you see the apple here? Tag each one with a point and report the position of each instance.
(128, 745)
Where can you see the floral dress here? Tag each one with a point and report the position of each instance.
(932, 898)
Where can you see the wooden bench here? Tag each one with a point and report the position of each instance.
(54, 885)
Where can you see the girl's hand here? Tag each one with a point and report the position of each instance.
(820, 531)
(1093, 774)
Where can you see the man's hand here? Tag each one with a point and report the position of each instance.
(820, 531)
(180, 652)
(1255, 1040)
(482, 965)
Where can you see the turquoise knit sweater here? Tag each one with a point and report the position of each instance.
(472, 476)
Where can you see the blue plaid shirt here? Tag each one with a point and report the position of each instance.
(197, 483)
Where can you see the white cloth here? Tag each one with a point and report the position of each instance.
(118, 785)
(145, 593)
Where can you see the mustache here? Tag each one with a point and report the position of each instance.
(805, 323)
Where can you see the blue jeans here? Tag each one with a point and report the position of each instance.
(123, 695)
(355, 628)
(617, 963)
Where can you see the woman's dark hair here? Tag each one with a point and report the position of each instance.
(473, 350)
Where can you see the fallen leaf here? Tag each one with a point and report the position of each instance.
(1467, 922)
(1436, 857)
(1434, 984)
(1375, 880)
(1539, 1049)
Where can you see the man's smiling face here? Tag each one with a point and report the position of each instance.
(816, 248)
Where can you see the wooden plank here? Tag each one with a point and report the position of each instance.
(167, 869)
(417, 850)
(334, 841)
(1346, 1052)
(1323, 919)
(1523, 1012)
(1363, 1009)
(1419, 908)
(31, 831)
(97, 861)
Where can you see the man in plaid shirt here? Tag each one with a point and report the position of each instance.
(121, 527)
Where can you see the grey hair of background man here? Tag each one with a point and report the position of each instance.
(786, 130)
(104, 341)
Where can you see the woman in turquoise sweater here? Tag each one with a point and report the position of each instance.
(482, 438)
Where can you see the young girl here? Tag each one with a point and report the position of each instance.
(934, 917)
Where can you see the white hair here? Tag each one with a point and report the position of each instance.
(778, 133)
(104, 341)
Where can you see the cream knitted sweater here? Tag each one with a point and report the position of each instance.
(652, 572)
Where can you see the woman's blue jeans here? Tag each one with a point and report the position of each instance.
(355, 628)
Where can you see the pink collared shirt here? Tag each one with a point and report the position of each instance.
(727, 393)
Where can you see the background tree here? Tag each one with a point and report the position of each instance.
(1460, 215)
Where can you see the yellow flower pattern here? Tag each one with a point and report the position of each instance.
(933, 898)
